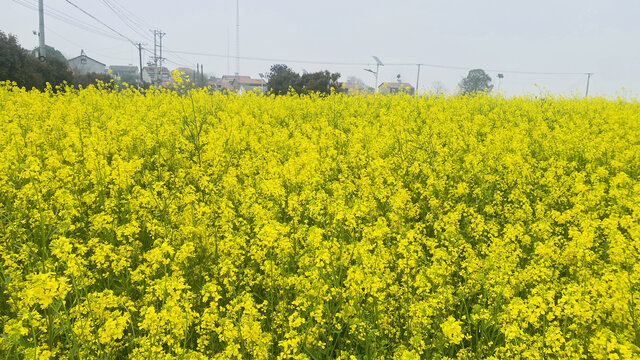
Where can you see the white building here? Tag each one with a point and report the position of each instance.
(149, 74)
(120, 70)
(84, 65)
(244, 83)
(395, 87)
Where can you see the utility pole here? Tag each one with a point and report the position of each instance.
(378, 63)
(500, 77)
(588, 79)
(377, 71)
(157, 60)
(237, 37)
(418, 80)
(42, 50)
(140, 55)
(161, 34)
(155, 56)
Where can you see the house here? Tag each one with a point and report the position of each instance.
(353, 88)
(84, 65)
(151, 73)
(188, 73)
(220, 85)
(395, 87)
(123, 70)
(243, 83)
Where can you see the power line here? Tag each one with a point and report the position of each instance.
(180, 57)
(100, 21)
(127, 17)
(59, 15)
(132, 15)
(368, 64)
(489, 70)
(126, 20)
(120, 12)
(177, 63)
(60, 36)
(69, 20)
(536, 72)
(268, 59)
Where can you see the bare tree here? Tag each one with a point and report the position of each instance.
(439, 88)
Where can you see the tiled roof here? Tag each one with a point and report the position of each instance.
(123, 68)
(395, 85)
(151, 69)
(244, 80)
(86, 57)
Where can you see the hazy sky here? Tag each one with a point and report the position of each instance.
(563, 36)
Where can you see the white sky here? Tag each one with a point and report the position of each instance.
(506, 35)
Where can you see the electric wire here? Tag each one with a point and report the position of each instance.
(127, 21)
(165, 49)
(268, 59)
(370, 64)
(93, 51)
(60, 16)
(122, 12)
(132, 16)
(101, 22)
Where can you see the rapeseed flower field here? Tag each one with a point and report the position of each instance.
(196, 225)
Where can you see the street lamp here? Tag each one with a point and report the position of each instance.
(41, 49)
(378, 64)
(264, 81)
(500, 77)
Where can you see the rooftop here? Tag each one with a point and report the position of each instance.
(395, 85)
(243, 80)
(83, 55)
(123, 68)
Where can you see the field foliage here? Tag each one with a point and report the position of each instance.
(191, 225)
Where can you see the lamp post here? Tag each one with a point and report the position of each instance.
(500, 77)
(264, 82)
(588, 79)
(42, 52)
(418, 80)
(378, 64)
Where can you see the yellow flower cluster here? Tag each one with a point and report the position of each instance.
(195, 225)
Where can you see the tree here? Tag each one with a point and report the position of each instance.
(476, 81)
(281, 79)
(51, 52)
(321, 82)
(129, 78)
(56, 71)
(17, 65)
(439, 88)
(356, 80)
(85, 80)
(355, 85)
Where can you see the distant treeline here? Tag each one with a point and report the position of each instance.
(23, 66)
(283, 80)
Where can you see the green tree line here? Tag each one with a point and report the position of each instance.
(23, 66)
